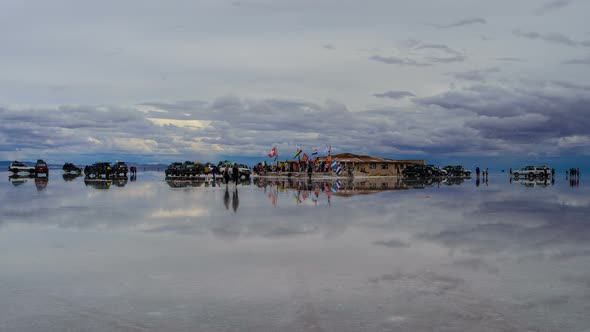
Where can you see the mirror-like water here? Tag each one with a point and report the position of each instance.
(370, 255)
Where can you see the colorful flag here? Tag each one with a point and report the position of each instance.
(273, 152)
(315, 151)
(298, 153)
(339, 169)
(305, 157)
(334, 164)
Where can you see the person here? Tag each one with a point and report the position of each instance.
(235, 173)
(510, 170)
(309, 170)
(477, 171)
(226, 174)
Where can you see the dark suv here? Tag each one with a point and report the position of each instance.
(417, 171)
(96, 170)
(120, 169)
(71, 168)
(41, 168)
(174, 169)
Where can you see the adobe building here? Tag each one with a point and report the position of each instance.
(365, 165)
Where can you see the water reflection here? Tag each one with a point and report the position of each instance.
(19, 180)
(98, 183)
(383, 256)
(41, 183)
(68, 177)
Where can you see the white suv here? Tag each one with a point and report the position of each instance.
(532, 171)
(19, 166)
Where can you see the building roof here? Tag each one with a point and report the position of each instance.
(355, 158)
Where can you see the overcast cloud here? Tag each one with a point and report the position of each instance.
(210, 78)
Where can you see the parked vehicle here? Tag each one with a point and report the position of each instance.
(173, 169)
(97, 170)
(18, 167)
(457, 171)
(119, 169)
(41, 168)
(533, 171)
(70, 168)
(417, 171)
(190, 168)
(437, 171)
(245, 171)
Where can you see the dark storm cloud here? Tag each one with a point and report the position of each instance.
(546, 113)
(393, 60)
(556, 38)
(480, 119)
(464, 22)
(394, 94)
(552, 6)
(579, 61)
(475, 75)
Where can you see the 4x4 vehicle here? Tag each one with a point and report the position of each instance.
(437, 171)
(41, 168)
(96, 170)
(417, 171)
(174, 169)
(532, 171)
(120, 168)
(19, 166)
(457, 171)
(190, 168)
(71, 169)
(245, 171)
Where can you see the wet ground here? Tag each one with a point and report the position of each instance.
(373, 255)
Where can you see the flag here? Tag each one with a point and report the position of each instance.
(298, 153)
(273, 152)
(315, 152)
(305, 157)
(334, 164)
(339, 169)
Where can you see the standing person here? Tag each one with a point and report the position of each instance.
(510, 170)
(235, 172)
(226, 174)
(477, 171)
(487, 173)
(309, 170)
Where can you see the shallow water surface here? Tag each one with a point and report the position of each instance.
(368, 255)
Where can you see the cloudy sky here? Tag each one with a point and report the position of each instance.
(157, 82)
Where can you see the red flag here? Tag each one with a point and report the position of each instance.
(304, 158)
(273, 152)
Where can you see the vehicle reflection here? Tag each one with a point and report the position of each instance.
(120, 181)
(19, 180)
(98, 184)
(534, 182)
(41, 182)
(70, 176)
(174, 182)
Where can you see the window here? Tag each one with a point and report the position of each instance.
(372, 165)
(384, 166)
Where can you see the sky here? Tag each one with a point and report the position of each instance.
(153, 81)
